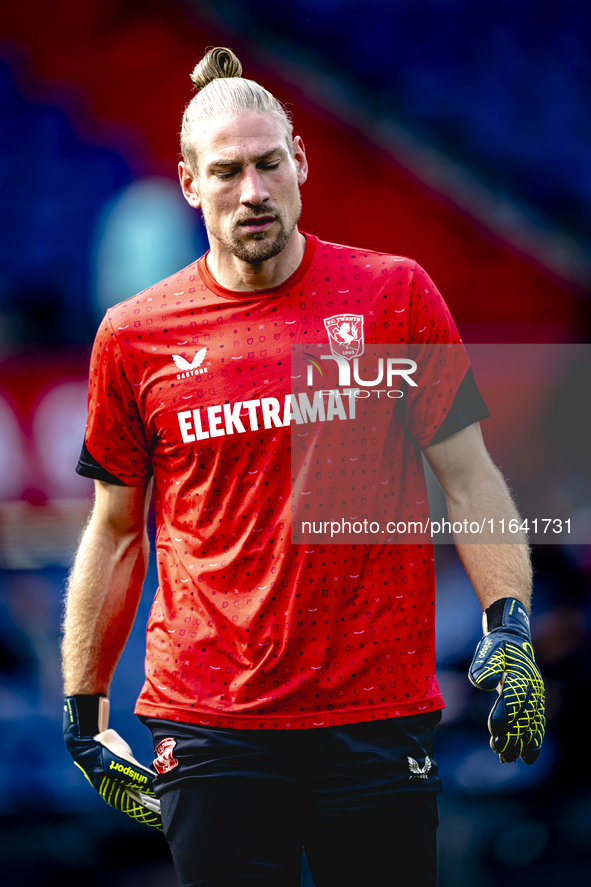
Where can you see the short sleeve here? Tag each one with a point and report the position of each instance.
(468, 407)
(442, 361)
(115, 439)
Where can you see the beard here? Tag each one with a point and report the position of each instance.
(260, 246)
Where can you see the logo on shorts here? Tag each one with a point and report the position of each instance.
(345, 334)
(417, 772)
(164, 760)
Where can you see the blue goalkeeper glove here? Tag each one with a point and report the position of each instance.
(504, 660)
(107, 761)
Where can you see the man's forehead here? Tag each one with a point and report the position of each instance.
(248, 135)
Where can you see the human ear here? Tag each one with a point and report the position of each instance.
(189, 187)
(299, 153)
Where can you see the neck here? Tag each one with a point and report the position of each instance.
(236, 274)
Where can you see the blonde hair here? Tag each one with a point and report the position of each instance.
(222, 90)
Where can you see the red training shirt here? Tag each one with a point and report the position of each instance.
(193, 382)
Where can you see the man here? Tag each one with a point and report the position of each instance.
(290, 689)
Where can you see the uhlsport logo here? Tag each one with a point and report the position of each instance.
(127, 771)
(164, 760)
(345, 334)
(417, 772)
(190, 369)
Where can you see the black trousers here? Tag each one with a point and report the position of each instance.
(361, 799)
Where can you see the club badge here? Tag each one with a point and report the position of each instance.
(345, 334)
(164, 760)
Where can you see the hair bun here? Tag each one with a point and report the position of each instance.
(219, 62)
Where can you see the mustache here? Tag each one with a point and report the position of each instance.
(258, 210)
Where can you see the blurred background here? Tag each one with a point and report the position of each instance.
(454, 131)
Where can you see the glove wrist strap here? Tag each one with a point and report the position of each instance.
(87, 712)
(507, 614)
(493, 615)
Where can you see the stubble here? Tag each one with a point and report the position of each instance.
(260, 246)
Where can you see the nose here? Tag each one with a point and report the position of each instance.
(254, 191)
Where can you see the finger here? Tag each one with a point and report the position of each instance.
(506, 733)
(509, 756)
(488, 665)
(506, 747)
(516, 707)
(530, 755)
(533, 741)
(116, 795)
(499, 721)
(150, 802)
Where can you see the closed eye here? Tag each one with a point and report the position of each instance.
(226, 175)
(265, 167)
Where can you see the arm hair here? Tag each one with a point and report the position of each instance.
(476, 491)
(104, 587)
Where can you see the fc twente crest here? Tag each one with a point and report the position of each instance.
(345, 334)
(164, 760)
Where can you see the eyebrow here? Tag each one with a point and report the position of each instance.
(232, 162)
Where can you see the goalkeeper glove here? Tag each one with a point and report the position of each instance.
(504, 660)
(107, 761)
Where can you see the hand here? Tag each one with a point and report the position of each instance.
(504, 660)
(107, 761)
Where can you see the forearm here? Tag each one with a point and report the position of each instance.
(496, 568)
(103, 595)
(497, 564)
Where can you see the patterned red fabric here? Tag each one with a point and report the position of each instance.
(193, 381)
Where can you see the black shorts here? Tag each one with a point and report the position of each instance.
(360, 798)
